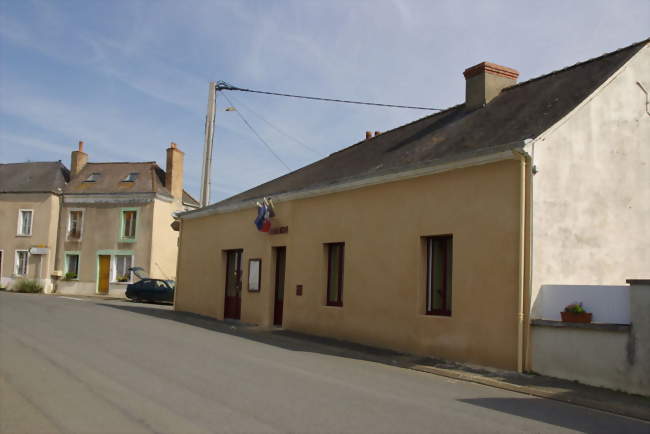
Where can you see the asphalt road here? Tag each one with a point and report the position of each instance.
(78, 366)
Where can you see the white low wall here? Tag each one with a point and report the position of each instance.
(595, 357)
(610, 353)
(608, 304)
(75, 287)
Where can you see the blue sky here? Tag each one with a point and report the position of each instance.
(129, 77)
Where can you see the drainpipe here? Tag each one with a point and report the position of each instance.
(57, 234)
(525, 160)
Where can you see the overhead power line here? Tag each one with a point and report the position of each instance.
(222, 85)
(298, 141)
(257, 134)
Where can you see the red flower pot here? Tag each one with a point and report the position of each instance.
(583, 317)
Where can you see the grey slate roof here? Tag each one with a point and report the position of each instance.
(519, 112)
(150, 179)
(39, 177)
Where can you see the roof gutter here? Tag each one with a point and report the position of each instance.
(499, 153)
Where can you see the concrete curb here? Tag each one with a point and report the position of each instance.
(621, 409)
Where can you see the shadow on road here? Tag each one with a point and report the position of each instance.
(285, 339)
(554, 413)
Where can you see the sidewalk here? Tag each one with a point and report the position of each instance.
(544, 387)
(530, 384)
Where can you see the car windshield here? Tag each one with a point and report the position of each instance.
(171, 283)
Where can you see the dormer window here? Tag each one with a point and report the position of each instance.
(92, 177)
(131, 177)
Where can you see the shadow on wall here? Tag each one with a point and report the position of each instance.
(561, 415)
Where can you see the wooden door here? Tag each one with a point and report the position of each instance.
(280, 264)
(103, 275)
(232, 304)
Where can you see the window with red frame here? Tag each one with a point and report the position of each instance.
(438, 276)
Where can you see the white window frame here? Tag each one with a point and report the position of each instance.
(16, 263)
(81, 224)
(66, 264)
(20, 223)
(114, 268)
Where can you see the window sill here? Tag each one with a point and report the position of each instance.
(436, 315)
(338, 306)
(23, 235)
(127, 240)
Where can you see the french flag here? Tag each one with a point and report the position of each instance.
(263, 219)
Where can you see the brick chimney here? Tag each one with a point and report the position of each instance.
(78, 160)
(483, 82)
(174, 171)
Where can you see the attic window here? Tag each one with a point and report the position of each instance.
(131, 177)
(92, 177)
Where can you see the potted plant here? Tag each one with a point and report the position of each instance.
(576, 313)
(123, 278)
(70, 276)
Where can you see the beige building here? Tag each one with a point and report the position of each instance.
(30, 197)
(115, 216)
(435, 238)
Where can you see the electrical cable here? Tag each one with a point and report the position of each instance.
(222, 85)
(257, 135)
(300, 142)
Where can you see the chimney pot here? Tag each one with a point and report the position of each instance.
(483, 82)
(173, 145)
(377, 133)
(368, 134)
(78, 160)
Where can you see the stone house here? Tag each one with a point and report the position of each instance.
(30, 199)
(78, 231)
(115, 216)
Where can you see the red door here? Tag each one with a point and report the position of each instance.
(280, 262)
(232, 305)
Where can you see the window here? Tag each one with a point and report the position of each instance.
(438, 278)
(22, 256)
(131, 177)
(25, 222)
(75, 219)
(93, 177)
(71, 266)
(335, 274)
(121, 272)
(128, 224)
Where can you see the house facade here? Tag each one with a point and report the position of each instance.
(115, 216)
(436, 237)
(30, 199)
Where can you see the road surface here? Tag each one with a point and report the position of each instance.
(85, 365)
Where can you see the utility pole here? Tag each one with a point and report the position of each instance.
(207, 147)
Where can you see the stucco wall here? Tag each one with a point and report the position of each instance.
(45, 208)
(384, 283)
(591, 195)
(100, 234)
(164, 243)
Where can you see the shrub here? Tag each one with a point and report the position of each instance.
(575, 308)
(70, 276)
(27, 285)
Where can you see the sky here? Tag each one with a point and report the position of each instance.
(128, 77)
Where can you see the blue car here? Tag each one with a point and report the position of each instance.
(152, 290)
